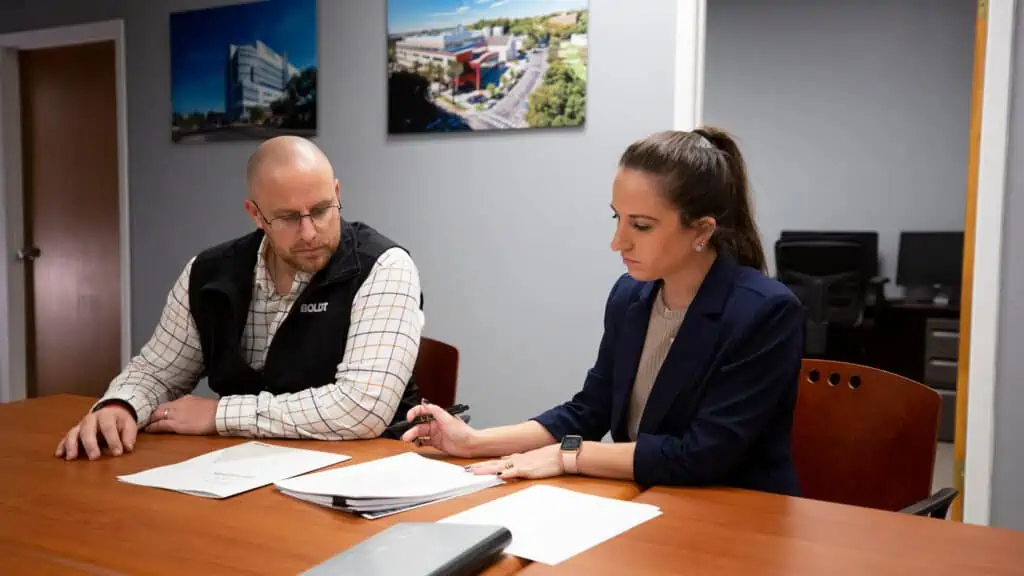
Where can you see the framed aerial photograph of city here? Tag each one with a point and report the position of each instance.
(478, 65)
(244, 71)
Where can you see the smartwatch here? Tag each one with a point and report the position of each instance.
(571, 445)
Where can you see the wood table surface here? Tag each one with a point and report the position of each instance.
(730, 532)
(60, 517)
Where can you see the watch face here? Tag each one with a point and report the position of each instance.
(572, 443)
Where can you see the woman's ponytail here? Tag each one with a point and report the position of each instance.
(740, 236)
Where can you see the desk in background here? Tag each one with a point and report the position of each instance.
(920, 341)
(729, 532)
(915, 339)
(63, 517)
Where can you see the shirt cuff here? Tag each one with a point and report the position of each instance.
(236, 415)
(554, 425)
(137, 412)
(650, 466)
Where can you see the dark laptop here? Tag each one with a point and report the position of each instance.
(420, 549)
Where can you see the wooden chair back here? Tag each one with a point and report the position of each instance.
(864, 436)
(437, 372)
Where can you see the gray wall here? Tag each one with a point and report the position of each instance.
(1008, 460)
(510, 231)
(852, 115)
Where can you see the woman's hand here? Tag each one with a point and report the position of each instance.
(540, 463)
(445, 432)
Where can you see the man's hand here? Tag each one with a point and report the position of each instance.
(186, 415)
(113, 425)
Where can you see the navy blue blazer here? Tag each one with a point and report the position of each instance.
(721, 409)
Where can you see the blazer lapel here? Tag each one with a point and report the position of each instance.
(694, 344)
(627, 356)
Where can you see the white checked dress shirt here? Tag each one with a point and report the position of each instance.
(380, 352)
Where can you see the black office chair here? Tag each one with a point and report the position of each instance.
(828, 277)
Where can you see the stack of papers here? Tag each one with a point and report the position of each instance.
(234, 470)
(386, 486)
(550, 524)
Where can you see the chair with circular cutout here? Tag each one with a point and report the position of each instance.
(867, 437)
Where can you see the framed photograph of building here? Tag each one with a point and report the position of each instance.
(473, 65)
(244, 71)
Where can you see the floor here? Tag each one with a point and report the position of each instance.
(943, 475)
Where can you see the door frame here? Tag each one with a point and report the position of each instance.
(691, 30)
(986, 282)
(13, 360)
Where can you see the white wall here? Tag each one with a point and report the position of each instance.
(514, 253)
(1007, 402)
(510, 230)
(852, 115)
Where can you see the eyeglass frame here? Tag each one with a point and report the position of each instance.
(300, 216)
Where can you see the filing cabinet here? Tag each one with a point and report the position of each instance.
(942, 347)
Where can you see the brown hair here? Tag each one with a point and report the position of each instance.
(704, 174)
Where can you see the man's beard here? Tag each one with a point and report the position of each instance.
(304, 261)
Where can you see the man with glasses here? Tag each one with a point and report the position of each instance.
(308, 327)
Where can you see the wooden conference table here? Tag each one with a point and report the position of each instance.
(729, 532)
(61, 517)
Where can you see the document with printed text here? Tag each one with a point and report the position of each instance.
(229, 471)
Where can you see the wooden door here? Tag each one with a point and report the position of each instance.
(73, 286)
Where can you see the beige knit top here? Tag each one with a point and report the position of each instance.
(661, 332)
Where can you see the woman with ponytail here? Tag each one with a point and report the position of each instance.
(696, 374)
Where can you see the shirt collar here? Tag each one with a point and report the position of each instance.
(265, 283)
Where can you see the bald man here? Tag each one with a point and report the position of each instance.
(307, 327)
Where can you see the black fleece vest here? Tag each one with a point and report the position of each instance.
(310, 342)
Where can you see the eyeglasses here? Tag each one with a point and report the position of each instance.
(319, 216)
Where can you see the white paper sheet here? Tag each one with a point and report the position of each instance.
(551, 524)
(230, 471)
(408, 475)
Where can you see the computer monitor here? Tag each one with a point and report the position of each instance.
(931, 260)
(866, 238)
